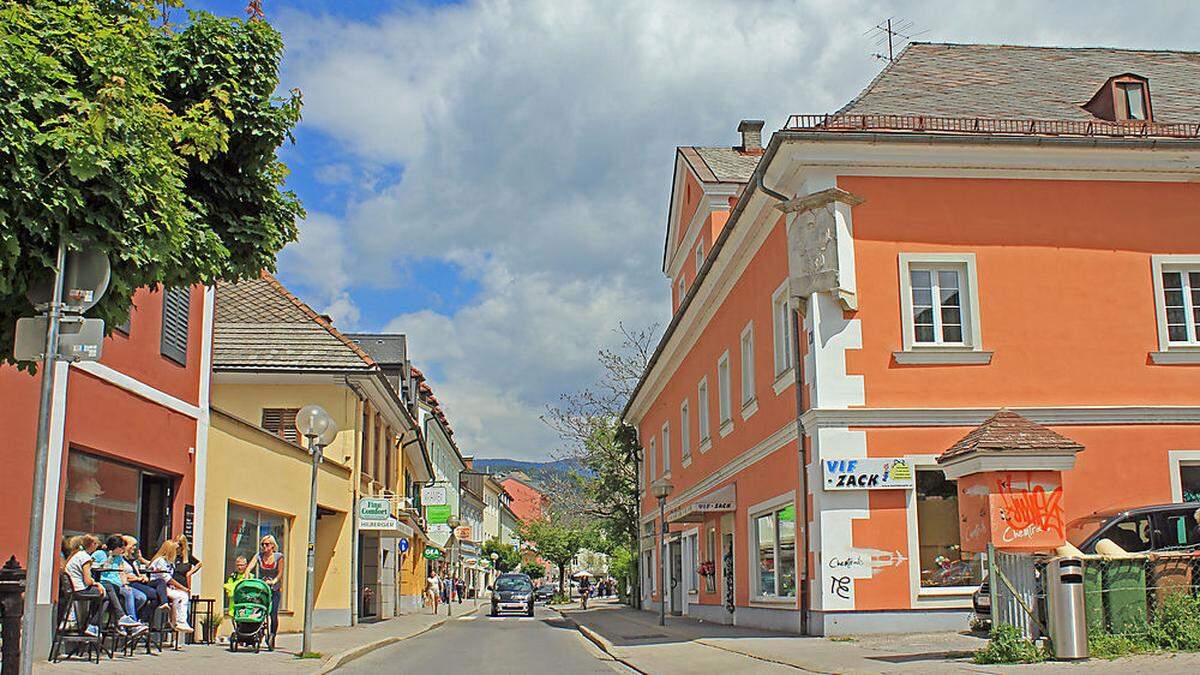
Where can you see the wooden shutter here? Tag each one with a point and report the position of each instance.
(176, 306)
(281, 422)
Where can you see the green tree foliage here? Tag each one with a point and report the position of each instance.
(507, 557)
(154, 145)
(588, 421)
(534, 569)
(558, 541)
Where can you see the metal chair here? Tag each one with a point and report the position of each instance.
(68, 635)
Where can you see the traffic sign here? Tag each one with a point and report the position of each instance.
(403, 544)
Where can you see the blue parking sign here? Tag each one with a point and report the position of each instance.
(404, 544)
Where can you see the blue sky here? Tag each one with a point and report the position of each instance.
(491, 178)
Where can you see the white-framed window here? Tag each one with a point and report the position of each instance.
(747, 349)
(710, 551)
(666, 447)
(694, 552)
(685, 432)
(652, 453)
(682, 286)
(781, 323)
(773, 542)
(699, 255)
(724, 407)
(702, 410)
(1177, 301)
(939, 296)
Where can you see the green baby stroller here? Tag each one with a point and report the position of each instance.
(251, 613)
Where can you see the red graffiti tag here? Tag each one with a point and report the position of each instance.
(1025, 507)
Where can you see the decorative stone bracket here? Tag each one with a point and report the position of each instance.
(821, 246)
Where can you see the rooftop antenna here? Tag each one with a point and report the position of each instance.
(896, 32)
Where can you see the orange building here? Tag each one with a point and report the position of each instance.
(983, 227)
(527, 503)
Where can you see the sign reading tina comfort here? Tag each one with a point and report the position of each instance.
(375, 514)
(869, 473)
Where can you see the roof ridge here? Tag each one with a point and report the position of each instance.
(317, 318)
(1007, 45)
(878, 76)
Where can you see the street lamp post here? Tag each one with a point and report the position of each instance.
(495, 572)
(661, 489)
(313, 423)
(453, 523)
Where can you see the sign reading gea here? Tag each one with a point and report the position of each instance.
(869, 473)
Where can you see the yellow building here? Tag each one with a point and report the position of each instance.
(272, 355)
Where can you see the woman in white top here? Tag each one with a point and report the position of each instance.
(86, 587)
(162, 567)
(433, 589)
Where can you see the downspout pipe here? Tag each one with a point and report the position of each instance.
(798, 364)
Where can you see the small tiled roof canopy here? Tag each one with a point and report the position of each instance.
(720, 165)
(1006, 431)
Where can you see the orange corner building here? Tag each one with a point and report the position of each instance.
(982, 228)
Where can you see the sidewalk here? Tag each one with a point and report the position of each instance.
(687, 645)
(336, 646)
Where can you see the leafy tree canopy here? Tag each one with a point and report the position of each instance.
(534, 569)
(507, 557)
(153, 144)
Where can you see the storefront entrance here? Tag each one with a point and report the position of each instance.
(104, 496)
(676, 579)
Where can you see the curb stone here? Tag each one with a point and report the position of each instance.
(599, 640)
(346, 656)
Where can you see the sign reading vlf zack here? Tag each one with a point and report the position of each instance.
(868, 473)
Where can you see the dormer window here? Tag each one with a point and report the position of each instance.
(1133, 95)
(1123, 98)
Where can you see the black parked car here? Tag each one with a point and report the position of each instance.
(1137, 530)
(544, 593)
(512, 593)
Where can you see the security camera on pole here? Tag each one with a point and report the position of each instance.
(313, 423)
(60, 332)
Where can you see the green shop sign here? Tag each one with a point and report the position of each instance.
(432, 553)
(437, 515)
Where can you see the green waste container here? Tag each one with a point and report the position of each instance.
(1125, 586)
(1093, 596)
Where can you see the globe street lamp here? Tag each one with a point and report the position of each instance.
(661, 489)
(313, 423)
(453, 522)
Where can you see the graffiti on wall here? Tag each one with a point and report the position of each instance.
(1028, 508)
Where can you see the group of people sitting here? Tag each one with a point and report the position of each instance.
(113, 575)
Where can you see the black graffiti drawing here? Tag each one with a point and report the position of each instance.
(840, 587)
(730, 604)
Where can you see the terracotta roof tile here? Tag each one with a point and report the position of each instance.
(260, 325)
(1006, 431)
(1020, 82)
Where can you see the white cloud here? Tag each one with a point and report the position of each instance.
(537, 142)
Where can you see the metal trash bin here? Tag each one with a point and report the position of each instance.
(1067, 615)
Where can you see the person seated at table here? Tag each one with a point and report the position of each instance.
(162, 568)
(86, 587)
(109, 561)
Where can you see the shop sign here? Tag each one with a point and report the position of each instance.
(463, 532)
(375, 514)
(437, 515)
(439, 528)
(433, 496)
(869, 473)
(432, 553)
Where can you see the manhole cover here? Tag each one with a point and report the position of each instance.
(649, 636)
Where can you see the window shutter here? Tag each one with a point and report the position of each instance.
(176, 305)
(281, 422)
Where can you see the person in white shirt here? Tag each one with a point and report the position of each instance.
(87, 588)
(433, 588)
(162, 567)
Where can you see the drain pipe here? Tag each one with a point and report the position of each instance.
(798, 365)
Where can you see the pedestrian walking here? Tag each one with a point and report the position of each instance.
(433, 588)
(267, 565)
(460, 587)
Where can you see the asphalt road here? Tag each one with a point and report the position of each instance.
(478, 643)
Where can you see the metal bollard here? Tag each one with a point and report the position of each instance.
(12, 608)
(1067, 621)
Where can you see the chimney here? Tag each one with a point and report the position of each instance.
(751, 131)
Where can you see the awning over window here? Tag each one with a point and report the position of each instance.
(722, 500)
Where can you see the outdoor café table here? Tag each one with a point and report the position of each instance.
(206, 607)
